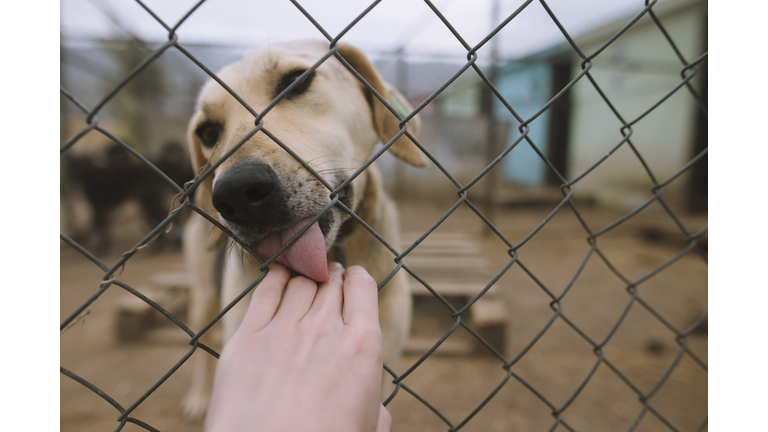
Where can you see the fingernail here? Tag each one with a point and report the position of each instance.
(357, 270)
(335, 267)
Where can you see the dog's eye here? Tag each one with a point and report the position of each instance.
(290, 78)
(208, 133)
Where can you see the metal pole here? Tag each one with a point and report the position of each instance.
(491, 130)
(401, 83)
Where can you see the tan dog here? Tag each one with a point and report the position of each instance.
(264, 196)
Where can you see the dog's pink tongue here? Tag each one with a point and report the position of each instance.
(305, 256)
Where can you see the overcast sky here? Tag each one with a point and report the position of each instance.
(392, 23)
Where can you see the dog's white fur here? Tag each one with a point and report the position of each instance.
(333, 125)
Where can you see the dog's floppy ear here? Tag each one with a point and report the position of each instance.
(386, 124)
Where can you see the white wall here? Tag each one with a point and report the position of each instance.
(635, 72)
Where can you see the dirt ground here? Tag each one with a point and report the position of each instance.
(642, 349)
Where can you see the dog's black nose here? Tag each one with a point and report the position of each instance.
(245, 192)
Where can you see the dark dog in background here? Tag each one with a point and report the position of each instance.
(110, 179)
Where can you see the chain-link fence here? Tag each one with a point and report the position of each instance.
(558, 296)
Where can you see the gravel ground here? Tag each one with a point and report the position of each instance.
(642, 349)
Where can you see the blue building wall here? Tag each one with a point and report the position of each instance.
(526, 87)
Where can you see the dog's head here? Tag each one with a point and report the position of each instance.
(330, 120)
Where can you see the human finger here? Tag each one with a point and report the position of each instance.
(361, 302)
(385, 420)
(266, 298)
(329, 298)
(298, 298)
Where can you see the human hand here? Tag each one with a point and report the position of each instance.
(308, 367)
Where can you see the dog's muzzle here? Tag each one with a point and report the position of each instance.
(250, 196)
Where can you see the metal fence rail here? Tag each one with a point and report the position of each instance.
(688, 70)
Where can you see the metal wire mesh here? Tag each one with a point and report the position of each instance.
(569, 184)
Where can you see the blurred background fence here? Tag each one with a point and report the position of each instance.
(599, 111)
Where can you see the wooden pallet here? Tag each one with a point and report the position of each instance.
(452, 264)
(137, 321)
